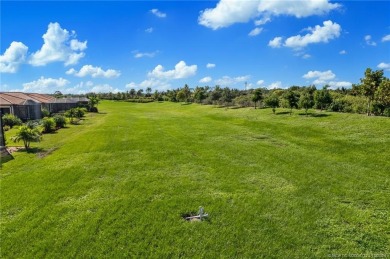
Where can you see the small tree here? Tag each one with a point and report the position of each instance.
(272, 101)
(93, 101)
(27, 135)
(306, 101)
(292, 99)
(370, 83)
(257, 96)
(322, 98)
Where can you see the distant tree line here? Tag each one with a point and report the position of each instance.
(371, 96)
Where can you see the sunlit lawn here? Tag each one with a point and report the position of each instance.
(276, 186)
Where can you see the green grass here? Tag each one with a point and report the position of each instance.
(275, 186)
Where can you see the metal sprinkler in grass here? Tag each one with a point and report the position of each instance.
(200, 216)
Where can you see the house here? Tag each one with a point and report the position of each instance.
(28, 106)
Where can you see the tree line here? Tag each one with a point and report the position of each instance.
(371, 96)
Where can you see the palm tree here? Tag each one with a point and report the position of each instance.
(28, 135)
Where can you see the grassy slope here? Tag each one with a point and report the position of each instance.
(274, 185)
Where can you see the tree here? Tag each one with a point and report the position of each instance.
(370, 83)
(181, 96)
(322, 98)
(306, 101)
(257, 96)
(132, 92)
(148, 91)
(272, 101)
(292, 99)
(58, 94)
(27, 135)
(93, 101)
(199, 94)
(382, 94)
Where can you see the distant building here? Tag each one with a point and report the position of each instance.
(28, 106)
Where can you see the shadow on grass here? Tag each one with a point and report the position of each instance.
(316, 115)
(186, 103)
(281, 113)
(31, 150)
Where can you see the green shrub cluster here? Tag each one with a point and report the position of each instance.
(11, 120)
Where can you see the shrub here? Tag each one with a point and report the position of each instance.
(6, 128)
(11, 120)
(60, 121)
(48, 125)
(45, 112)
(33, 124)
(27, 135)
(93, 109)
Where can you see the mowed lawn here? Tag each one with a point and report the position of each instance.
(274, 186)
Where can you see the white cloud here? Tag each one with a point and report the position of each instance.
(369, 41)
(256, 31)
(13, 57)
(385, 66)
(153, 83)
(230, 81)
(343, 52)
(318, 34)
(58, 45)
(149, 30)
(89, 70)
(260, 82)
(105, 88)
(306, 56)
(138, 54)
(275, 85)
(206, 79)
(339, 84)
(181, 70)
(386, 38)
(262, 21)
(157, 13)
(228, 12)
(275, 43)
(326, 78)
(45, 85)
(210, 65)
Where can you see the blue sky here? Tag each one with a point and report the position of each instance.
(83, 46)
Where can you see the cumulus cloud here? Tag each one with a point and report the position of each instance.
(181, 70)
(230, 81)
(159, 78)
(328, 31)
(206, 79)
(59, 46)
(325, 78)
(210, 65)
(384, 66)
(89, 70)
(157, 13)
(256, 31)
(13, 57)
(45, 85)
(369, 41)
(228, 12)
(275, 85)
(260, 82)
(138, 54)
(386, 38)
(275, 43)
(104, 88)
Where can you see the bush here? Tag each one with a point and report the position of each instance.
(60, 121)
(11, 120)
(48, 125)
(6, 128)
(33, 124)
(45, 112)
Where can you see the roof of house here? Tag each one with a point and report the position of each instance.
(17, 98)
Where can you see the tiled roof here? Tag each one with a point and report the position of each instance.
(17, 98)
